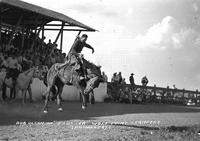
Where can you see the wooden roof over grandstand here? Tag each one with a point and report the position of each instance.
(33, 16)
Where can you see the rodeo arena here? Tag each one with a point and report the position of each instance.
(48, 94)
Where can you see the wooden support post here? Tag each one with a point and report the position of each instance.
(197, 92)
(59, 33)
(168, 92)
(37, 32)
(183, 96)
(173, 92)
(197, 96)
(42, 32)
(39, 29)
(0, 27)
(61, 38)
(183, 93)
(154, 90)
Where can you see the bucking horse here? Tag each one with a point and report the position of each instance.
(56, 79)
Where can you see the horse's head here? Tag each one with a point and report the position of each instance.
(94, 75)
(92, 69)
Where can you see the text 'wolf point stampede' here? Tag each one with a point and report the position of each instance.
(91, 124)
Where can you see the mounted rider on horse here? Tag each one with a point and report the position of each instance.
(75, 58)
(76, 71)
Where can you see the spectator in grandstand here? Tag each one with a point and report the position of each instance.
(58, 56)
(37, 59)
(9, 48)
(3, 62)
(17, 40)
(53, 49)
(63, 57)
(49, 44)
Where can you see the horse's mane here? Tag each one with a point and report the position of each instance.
(88, 63)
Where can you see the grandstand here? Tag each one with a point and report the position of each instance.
(23, 26)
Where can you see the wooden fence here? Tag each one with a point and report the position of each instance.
(154, 93)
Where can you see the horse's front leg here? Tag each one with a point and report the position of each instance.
(12, 94)
(60, 89)
(92, 99)
(4, 96)
(84, 99)
(30, 93)
(46, 94)
(23, 96)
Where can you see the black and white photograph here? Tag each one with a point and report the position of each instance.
(99, 70)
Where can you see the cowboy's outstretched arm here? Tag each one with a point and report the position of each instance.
(90, 47)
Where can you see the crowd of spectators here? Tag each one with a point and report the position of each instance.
(31, 47)
(118, 79)
(118, 91)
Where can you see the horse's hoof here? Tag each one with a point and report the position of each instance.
(83, 107)
(60, 109)
(45, 112)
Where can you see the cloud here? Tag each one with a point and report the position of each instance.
(168, 34)
(159, 35)
(195, 7)
(186, 38)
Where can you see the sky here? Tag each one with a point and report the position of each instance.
(156, 38)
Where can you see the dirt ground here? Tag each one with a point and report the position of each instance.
(99, 122)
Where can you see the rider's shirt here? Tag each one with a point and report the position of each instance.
(78, 46)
